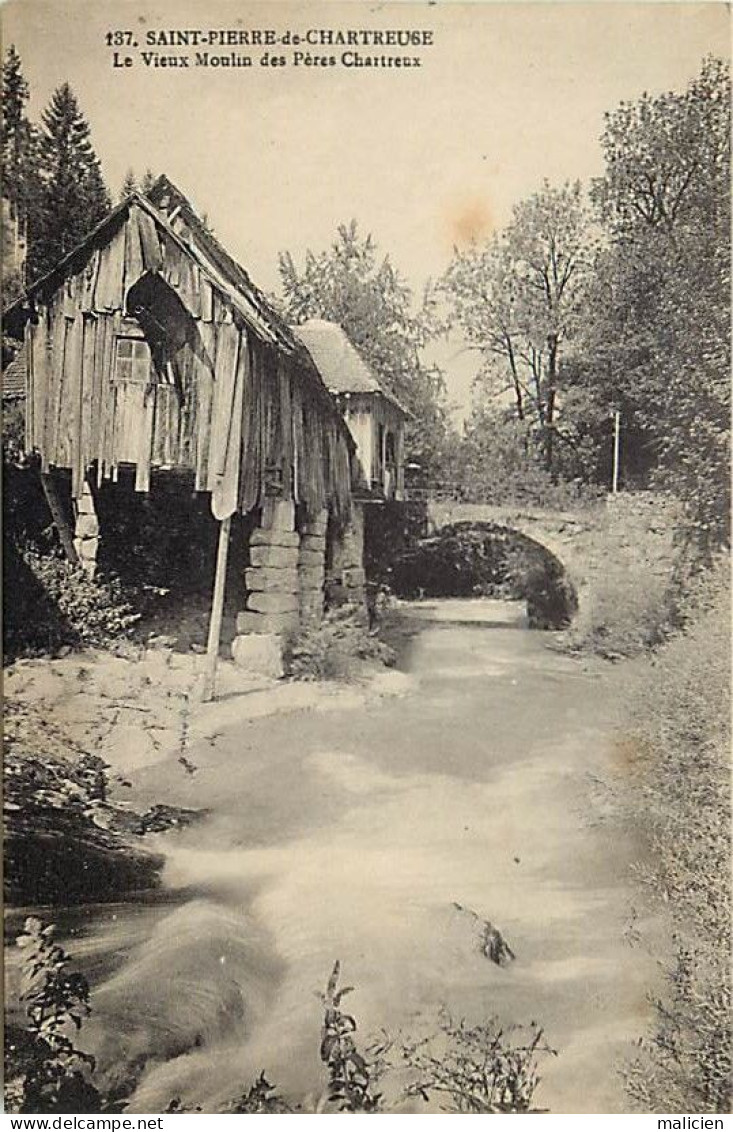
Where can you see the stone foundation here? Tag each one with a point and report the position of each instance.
(312, 570)
(286, 581)
(346, 581)
(86, 531)
(271, 579)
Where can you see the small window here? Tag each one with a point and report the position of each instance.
(132, 361)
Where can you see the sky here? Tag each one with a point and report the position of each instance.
(423, 157)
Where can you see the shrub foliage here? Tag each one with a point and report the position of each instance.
(682, 731)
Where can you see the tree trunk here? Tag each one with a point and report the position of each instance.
(551, 390)
(515, 379)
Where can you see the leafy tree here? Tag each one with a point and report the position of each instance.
(657, 329)
(73, 197)
(352, 285)
(518, 299)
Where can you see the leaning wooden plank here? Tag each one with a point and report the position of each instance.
(102, 391)
(224, 381)
(59, 517)
(195, 295)
(186, 286)
(251, 477)
(69, 294)
(134, 266)
(61, 324)
(152, 257)
(30, 337)
(207, 301)
(90, 275)
(172, 426)
(204, 366)
(187, 410)
(87, 392)
(110, 284)
(41, 381)
(286, 427)
(145, 440)
(217, 610)
(110, 393)
(225, 494)
(70, 418)
(80, 447)
(170, 268)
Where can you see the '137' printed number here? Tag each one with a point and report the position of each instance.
(120, 39)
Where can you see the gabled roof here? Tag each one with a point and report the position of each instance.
(170, 202)
(339, 362)
(176, 219)
(234, 287)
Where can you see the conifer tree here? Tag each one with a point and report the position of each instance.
(15, 124)
(148, 180)
(74, 197)
(129, 185)
(20, 172)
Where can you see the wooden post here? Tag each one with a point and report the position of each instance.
(616, 449)
(59, 519)
(217, 609)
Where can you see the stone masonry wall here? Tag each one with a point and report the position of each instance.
(271, 580)
(86, 530)
(312, 570)
(346, 577)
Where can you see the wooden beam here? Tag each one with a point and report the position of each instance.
(217, 610)
(59, 519)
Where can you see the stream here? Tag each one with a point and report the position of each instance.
(371, 834)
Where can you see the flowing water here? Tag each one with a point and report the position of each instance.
(353, 834)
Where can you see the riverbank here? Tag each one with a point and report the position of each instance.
(79, 730)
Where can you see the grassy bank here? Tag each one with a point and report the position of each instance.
(681, 730)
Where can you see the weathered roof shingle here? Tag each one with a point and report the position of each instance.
(338, 361)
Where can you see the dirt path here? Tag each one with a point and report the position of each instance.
(352, 834)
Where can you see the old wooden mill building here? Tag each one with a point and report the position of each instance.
(149, 352)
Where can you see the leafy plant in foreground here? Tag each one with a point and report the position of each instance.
(477, 1068)
(350, 1074)
(56, 1001)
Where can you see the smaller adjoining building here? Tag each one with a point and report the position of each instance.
(375, 417)
(376, 421)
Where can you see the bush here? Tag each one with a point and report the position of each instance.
(57, 1075)
(469, 1068)
(338, 649)
(682, 735)
(480, 1068)
(626, 611)
(48, 603)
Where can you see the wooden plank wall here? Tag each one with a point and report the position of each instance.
(79, 415)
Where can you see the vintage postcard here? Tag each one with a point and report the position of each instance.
(366, 527)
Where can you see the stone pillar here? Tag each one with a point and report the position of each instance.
(271, 579)
(346, 575)
(86, 530)
(312, 570)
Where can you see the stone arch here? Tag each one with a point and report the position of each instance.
(476, 555)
